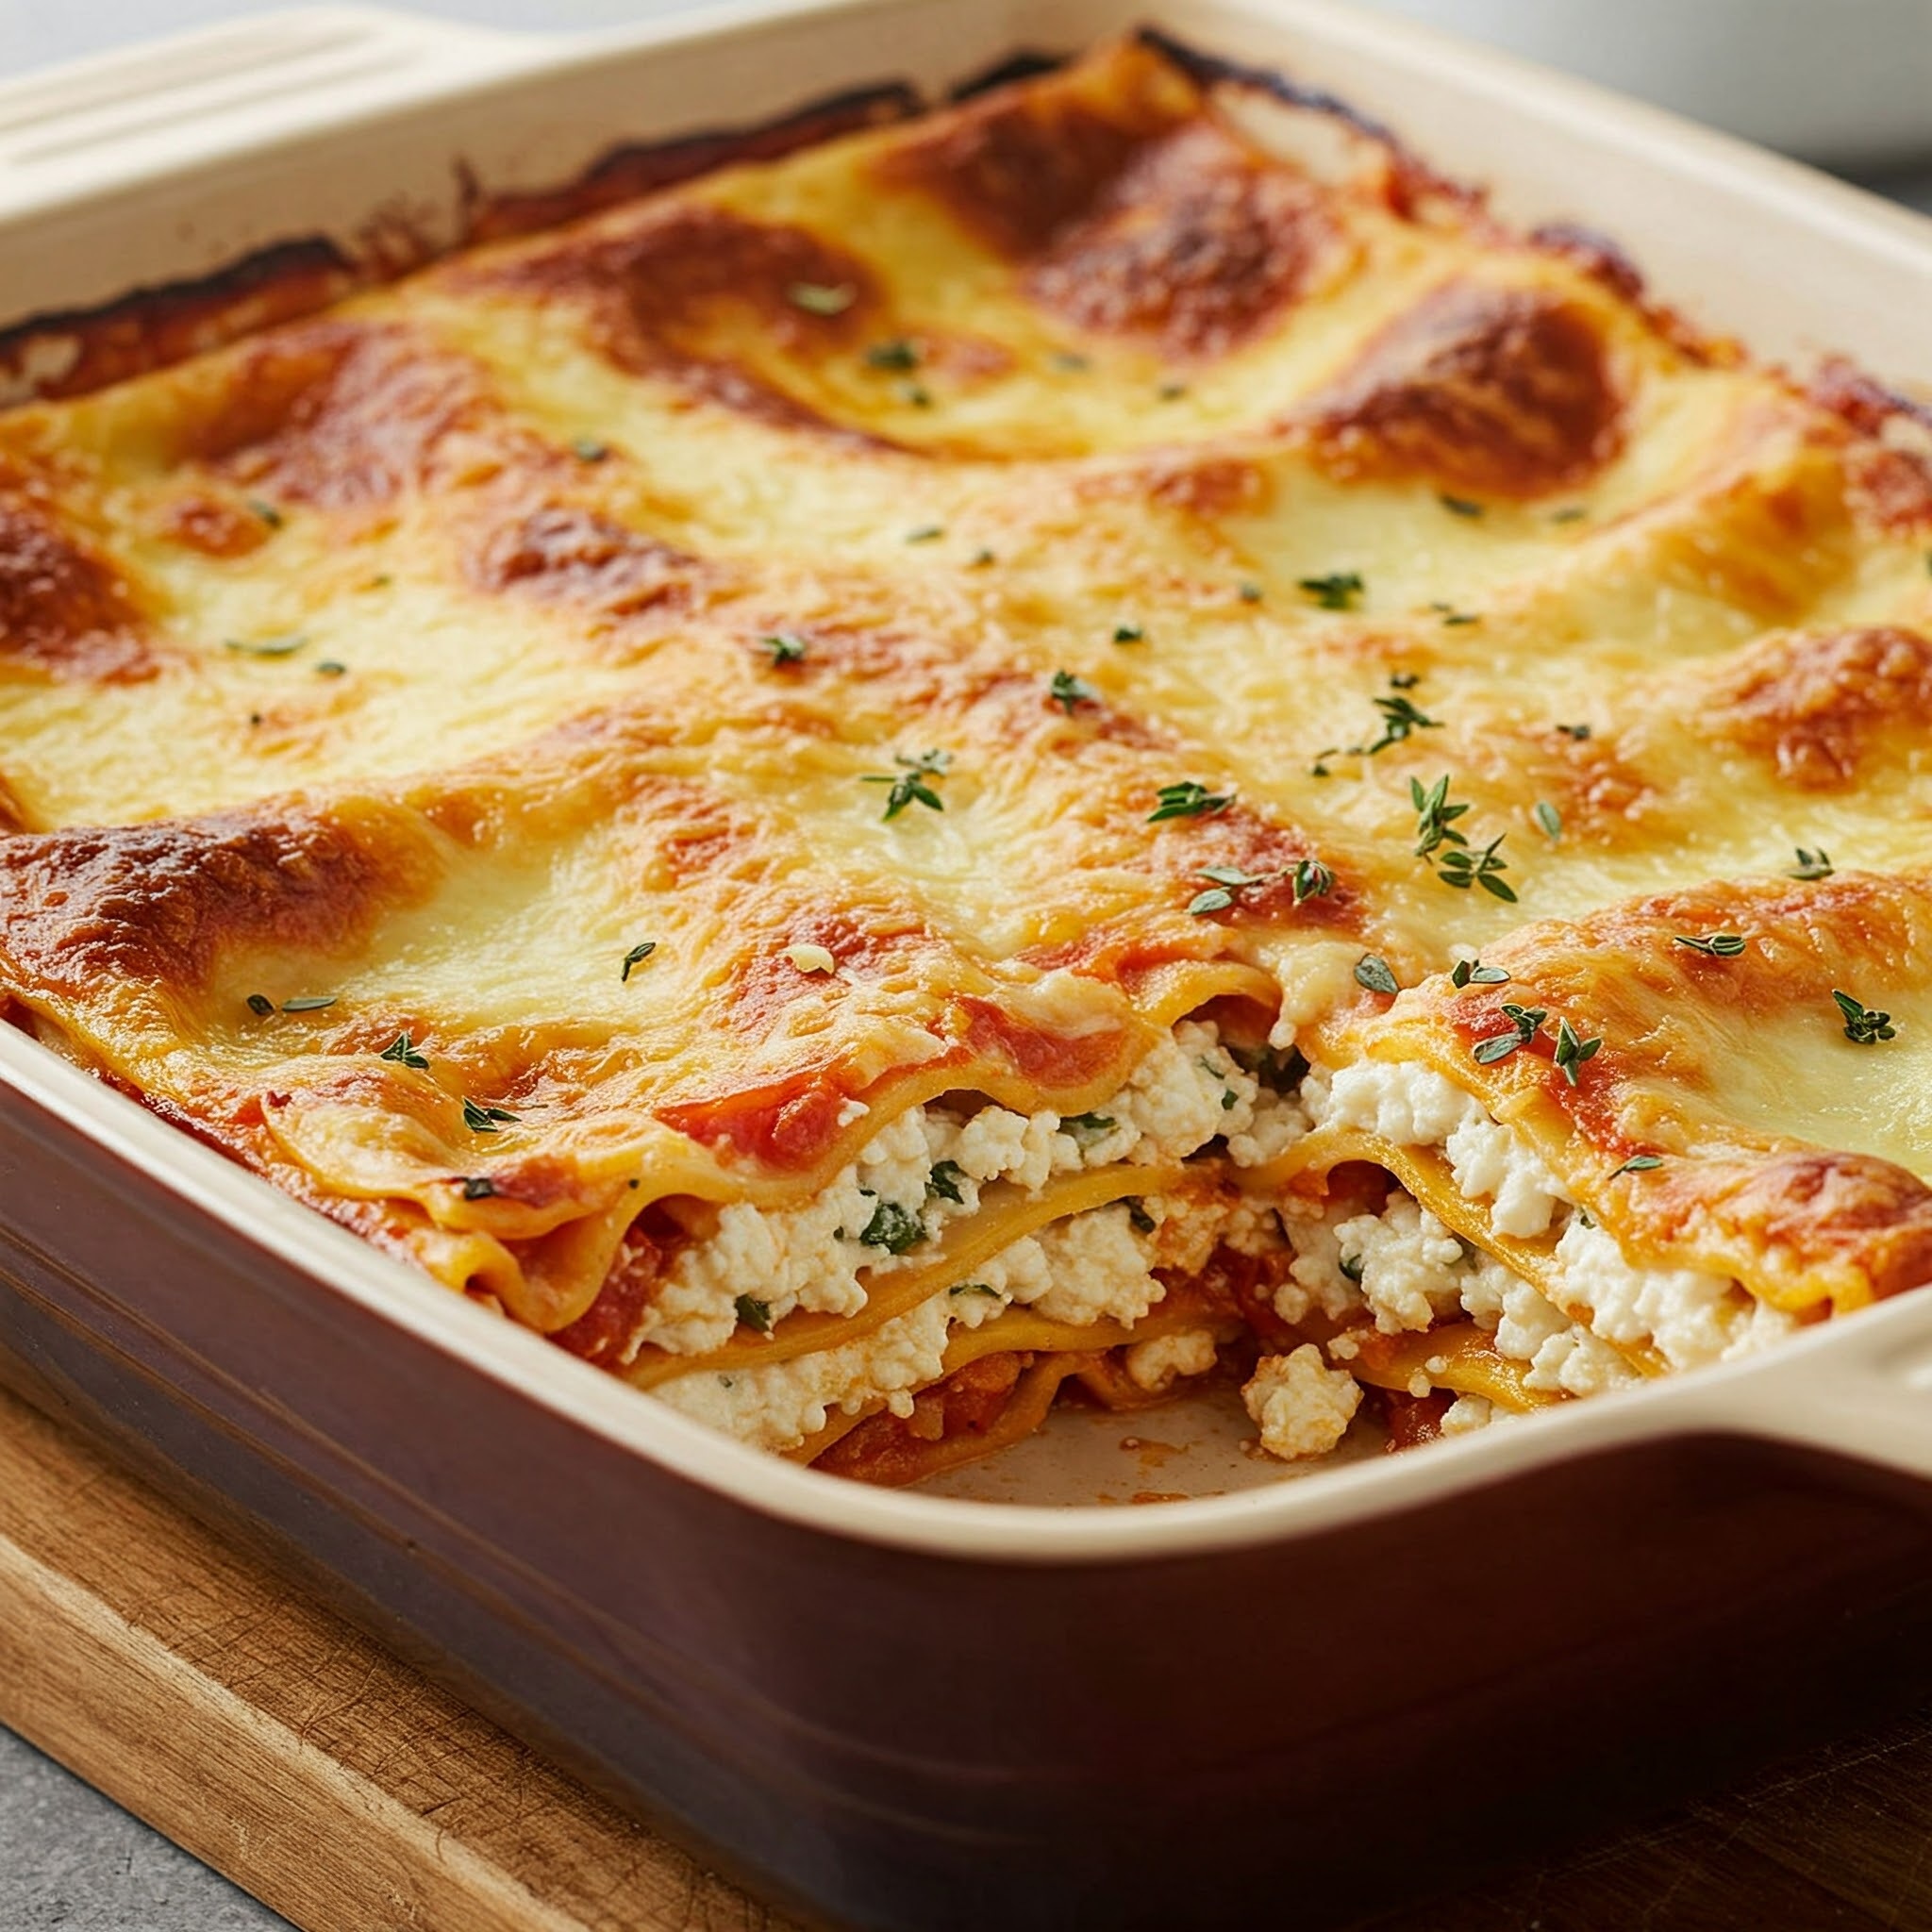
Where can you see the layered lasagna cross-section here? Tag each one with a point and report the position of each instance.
(1093, 741)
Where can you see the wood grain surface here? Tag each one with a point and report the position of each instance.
(331, 1780)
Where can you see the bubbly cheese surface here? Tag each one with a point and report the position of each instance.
(567, 762)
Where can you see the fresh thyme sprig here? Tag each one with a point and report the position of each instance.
(909, 785)
(1864, 1025)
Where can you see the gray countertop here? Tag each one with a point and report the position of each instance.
(69, 1857)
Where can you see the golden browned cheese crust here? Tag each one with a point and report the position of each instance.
(373, 689)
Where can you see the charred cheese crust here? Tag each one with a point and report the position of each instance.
(1115, 430)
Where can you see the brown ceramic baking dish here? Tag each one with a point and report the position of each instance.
(1276, 1705)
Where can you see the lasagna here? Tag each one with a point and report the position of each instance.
(1094, 740)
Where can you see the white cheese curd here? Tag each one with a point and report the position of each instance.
(1157, 1365)
(928, 1166)
(1092, 1267)
(1300, 1406)
(1689, 1316)
(1315, 1280)
(1467, 1414)
(1409, 1266)
(1097, 1269)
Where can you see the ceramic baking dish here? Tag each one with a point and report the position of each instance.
(905, 1709)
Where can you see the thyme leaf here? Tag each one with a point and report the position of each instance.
(1864, 1025)
(1374, 973)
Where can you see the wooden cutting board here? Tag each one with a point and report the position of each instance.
(292, 1753)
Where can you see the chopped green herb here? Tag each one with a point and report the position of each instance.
(899, 354)
(485, 1120)
(893, 1228)
(909, 785)
(915, 395)
(1130, 634)
(1400, 717)
(286, 646)
(1434, 816)
(927, 533)
(1452, 617)
(477, 1186)
(974, 1288)
(587, 449)
(402, 1050)
(1550, 820)
(755, 1314)
(1216, 899)
(1404, 680)
(1714, 945)
(817, 298)
(1374, 973)
(267, 513)
(1572, 1052)
(943, 1183)
(1250, 591)
(1579, 732)
(1463, 868)
(1474, 973)
(1352, 1266)
(1188, 800)
(1460, 505)
(979, 560)
(785, 646)
(1525, 1024)
(1338, 590)
(309, 1003)
(1227, 881)
(331, 667)
(1137, 1217)
(1067, 690)
(1864, 1026)
(1811, 865)
(1088, 1123)
(636, 956)
(260, 1005)
(1311, 881)
(1638, 1163)
(1279, 1069)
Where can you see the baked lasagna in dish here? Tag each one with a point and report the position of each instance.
(1099, 738)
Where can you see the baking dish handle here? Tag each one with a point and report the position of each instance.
(192, 98)
(1860, 1388)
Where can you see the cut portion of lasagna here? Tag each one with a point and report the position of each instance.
(1094, 740)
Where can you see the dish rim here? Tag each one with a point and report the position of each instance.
(1789, 1393)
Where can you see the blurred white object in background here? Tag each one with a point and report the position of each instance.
(1847, 82)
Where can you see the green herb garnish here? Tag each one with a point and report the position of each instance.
(1864, 1026)
(1638, 1163)
(260, 1005)
(636, 956)
(1460, 505)
(267, 513)
(485, 1120)
(1525, 1024)
(1550, 820)
(1130, 634)
(1311, 879)
(587, 449)
(974, 1288)
(909, 785)
(1249, 592)
(1351, 1267)
(899, 354)
(1188, 800)
(1578, 732)
(1088, 1123)
(1067, 690)
(755, 1314)
(1463, 867)
(1572, 1052)
(1811, 865)
(1137, 1217)
(1340, 590)
(785, 646)
(1399, 718)
(402, 1050)
(1474, 973)
(927, 533)
(477, 1186)
(1374, 973)
(309, 1003)
(1714, 945)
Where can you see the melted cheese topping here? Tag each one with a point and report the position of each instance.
(558, 761)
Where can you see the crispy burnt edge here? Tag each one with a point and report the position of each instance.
(86, 349)
(155, 327)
